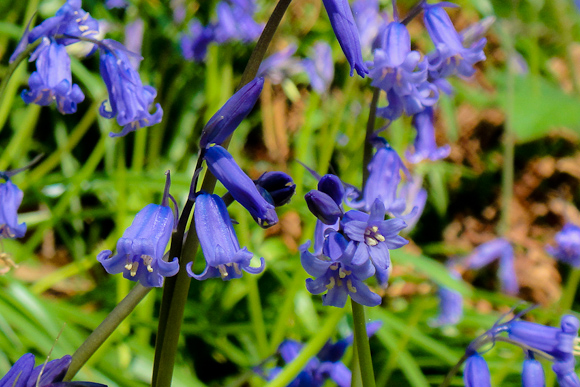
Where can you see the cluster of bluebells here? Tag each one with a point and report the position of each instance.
(24, 374)
(234, 22)
(140, 252)
(558, 345)
(129, 101)
(325, 365)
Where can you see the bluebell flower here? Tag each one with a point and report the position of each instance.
(223, 123)
(280, 65)
(476, 372)
(368, 20)
(129, 100)
(424, 144)
(235, 23)
(532, 373)
(376, 236)
(567, 247)
(110, 4)
(10, 200)
(346, 32)
(276, 187)
(223, 166)
(401, 73)
(474, 32)
(24, 374)
(140, 250)
(384, 177)
(450, 56)
(52, 80)
(319, 67)
(416, 198)
(496, 249)
(331, 185)
(323, 207)
(194, 43)
(450, 305)
(336, 273)
(221, 249)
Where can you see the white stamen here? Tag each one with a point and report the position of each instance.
(134, 269)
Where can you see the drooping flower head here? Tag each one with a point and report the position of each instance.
(450, 56)
(223, 255)
(346, 32)
(140, 250)
(567, 247)
(52, 80)
(223, 166)
(24, 374)
(424, 144)
(10, 199)
(336, 274)
(129, 101)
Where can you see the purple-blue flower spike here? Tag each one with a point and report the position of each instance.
(375, 235)
(276, 187)
(129, 100)
(221, 249)
(533, 373)
(140, 251)
(194, 44)
(346, 32)
(223, 123)
(52, 80)
(450, 56)
(476, 372)
(424, 144)
(567, 247)
(10, 199)
(223, 166)
(336, 274)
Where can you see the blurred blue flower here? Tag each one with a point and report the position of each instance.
(486, 253)
(110, 4)
(532, 372)
(140, 250)
(194, 43)
(416, 198)
(346, 32)
(450, 56)
(450, 305)
(369, 21)
(24, 374)
(235, 22)
(375, 235)
(10, 200)
(134, 40)
(401, 73)
(424, 144)
(223, 255)
(319, 67)
(223, 123)
(129, 100)
(567, 247)
(280, 65)
(52, 80)
(223, 166)
(276, 187)
(476, 372)
(336, 273)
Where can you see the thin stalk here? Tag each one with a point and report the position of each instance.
(176, 288)
(105, 329)
(308, 351)
(256, 315)
(569, 293)
(363, 348)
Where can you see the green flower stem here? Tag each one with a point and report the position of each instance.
(105, 329)
(14, 65)
(363, 349)
(286, 311)
(308, 351)
(256, 314)
(176, 288)
(569, 294)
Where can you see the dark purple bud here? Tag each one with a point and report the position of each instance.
(227, 119)
(223, 166)
(323, 206)
(278, 185)
(332, 186)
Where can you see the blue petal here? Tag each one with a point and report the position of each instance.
(363, 294)
(18, 375)
(476, 372)
(336, 296)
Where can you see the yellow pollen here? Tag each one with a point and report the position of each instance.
(149, 269)
(343, 273)
(374, 229)
(128, 266)
(351, 288)
(83, 28)
(338, 282)
(380, 238)
(223, 271)
(79, 20)
(334, 266)
(134, 269)
(331, 284)
(371, 241)
(237, 269)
